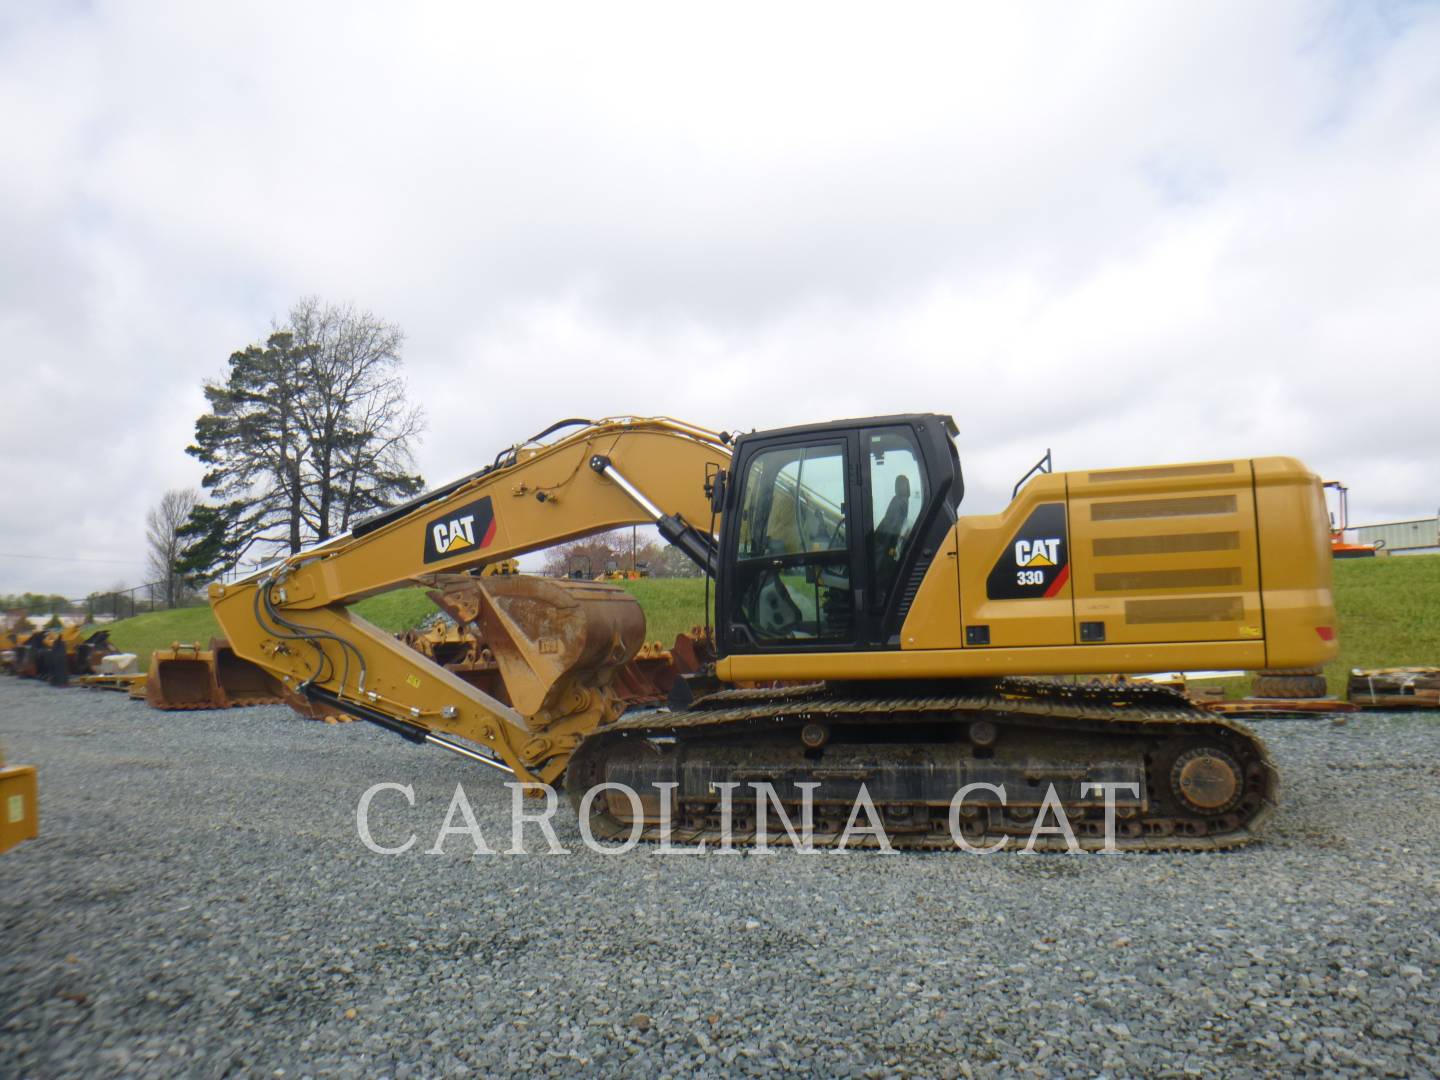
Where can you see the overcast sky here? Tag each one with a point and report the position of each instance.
(1133, 233)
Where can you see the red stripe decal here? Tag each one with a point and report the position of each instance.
(1059, 582)
(489, 533)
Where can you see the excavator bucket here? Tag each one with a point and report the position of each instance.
(313, 710)
(553, 641)
(183, 677)
(646, 679)
(240, 682)
(650, 678)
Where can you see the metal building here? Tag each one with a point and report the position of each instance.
(1403, 537)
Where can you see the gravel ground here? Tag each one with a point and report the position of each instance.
(199, 902)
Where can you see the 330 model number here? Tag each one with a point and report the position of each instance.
(1030, 577)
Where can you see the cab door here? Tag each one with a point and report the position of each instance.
(897, 495)
(794, 579)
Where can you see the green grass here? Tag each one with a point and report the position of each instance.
(671, 605)
(402, 609)
(1389, 612)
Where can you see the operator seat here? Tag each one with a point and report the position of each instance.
(889, 538)
(887, 533)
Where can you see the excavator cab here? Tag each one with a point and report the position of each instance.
(827, 531)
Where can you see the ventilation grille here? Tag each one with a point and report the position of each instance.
(1191, 610)
(1162, 472)
(1135, 509)
(912, 586)
(1209, 578)
(1166, 545)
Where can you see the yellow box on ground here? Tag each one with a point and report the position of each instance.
(19, 805)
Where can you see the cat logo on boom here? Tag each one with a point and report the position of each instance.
(460, 532)
(457, 533)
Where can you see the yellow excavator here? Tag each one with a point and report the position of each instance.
(865, 634)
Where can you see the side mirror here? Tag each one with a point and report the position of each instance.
(715, 488)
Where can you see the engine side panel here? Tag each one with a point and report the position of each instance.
(1194, 566)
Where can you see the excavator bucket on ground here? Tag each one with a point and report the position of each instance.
(314, 710)
(183, 677)
(189, 677)
(651, 678)
(240, 682)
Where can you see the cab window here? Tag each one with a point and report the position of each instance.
(793, 563)
(897, 495)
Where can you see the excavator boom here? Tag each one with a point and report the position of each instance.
(558, 643)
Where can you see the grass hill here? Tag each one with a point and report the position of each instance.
(1389, 611)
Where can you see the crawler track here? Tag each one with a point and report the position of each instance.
(1205, 782)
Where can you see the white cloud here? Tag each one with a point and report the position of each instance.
(1130, 232)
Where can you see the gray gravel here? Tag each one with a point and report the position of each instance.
(199, 902)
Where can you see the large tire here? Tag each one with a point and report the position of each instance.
(1286, 672)
(1290, 686)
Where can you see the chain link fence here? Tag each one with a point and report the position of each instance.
(108, 606)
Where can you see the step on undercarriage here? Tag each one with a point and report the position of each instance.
(1200, 781)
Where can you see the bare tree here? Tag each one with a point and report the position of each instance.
(619, 549)
(162, 533)
(591, 556)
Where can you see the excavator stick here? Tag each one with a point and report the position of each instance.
(183, 677)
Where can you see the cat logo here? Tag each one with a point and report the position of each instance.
(1036, 563)
(1037, 552)
(454, 534)
(461, 532)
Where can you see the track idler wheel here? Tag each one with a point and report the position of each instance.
(1206, 780)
